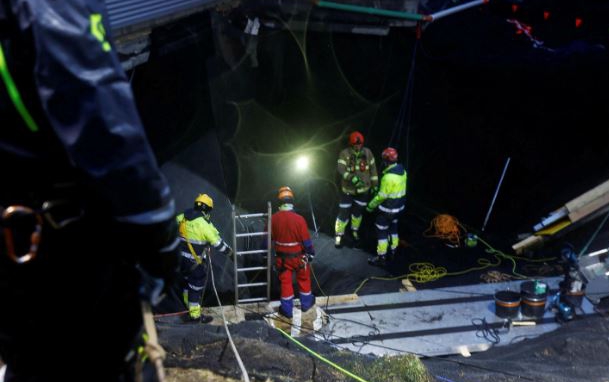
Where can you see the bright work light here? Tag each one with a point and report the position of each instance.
(302, 163)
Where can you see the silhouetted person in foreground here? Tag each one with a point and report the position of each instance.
(88, 219)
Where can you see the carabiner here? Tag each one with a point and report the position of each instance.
(34, 237)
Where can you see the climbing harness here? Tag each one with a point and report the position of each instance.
(182, 229)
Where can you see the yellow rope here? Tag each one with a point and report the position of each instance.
(427, 272)
(322, 358)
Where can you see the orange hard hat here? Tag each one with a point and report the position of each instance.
(285, 194)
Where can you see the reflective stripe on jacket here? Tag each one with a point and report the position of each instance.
(72, 82)
(392, 193)
(289, 232)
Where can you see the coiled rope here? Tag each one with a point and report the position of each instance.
(446, 227)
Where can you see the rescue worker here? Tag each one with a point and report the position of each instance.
(88, 220)
(390, 201)
(293, 253)
(358, 175)
(197, 236)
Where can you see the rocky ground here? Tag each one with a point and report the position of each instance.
(577, 351)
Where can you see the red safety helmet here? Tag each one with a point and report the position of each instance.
(356, 139)
(390, 155)
(285, 194)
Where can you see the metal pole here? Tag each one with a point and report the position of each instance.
(372, 10)
(311, 208)
(268, 251)
(235, 254)
(488, 214)
(458, 8)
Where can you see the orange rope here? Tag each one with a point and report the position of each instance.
(170, 314)
(447, 228)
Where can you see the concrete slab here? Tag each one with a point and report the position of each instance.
(455, 320)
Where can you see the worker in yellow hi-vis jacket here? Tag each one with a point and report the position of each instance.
(197, 236)
(390, 201)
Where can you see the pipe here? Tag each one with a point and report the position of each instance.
(399, 14)
(458, 8)
(372, 11)
(488, 214)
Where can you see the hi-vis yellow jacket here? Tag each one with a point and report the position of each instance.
(392, 193)
(195, 230)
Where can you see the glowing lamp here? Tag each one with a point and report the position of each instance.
(302, 163)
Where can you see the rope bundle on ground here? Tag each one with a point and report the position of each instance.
(446, 227)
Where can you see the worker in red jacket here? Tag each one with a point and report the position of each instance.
(293, 253)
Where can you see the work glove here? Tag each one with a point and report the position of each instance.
(356, 181)
(374, 190)
(369, 210)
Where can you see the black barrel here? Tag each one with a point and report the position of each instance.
(534, 295)
(574, 298)
(507, 303)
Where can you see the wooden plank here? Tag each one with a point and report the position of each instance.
(408, 287)
(588, 197)
(338, 299)
(526, 243)
(321, 301)
(589, 208)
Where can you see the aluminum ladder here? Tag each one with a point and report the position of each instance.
(256, 252)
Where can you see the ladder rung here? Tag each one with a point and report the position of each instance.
(251, 285)
(253, 251)
(250, 269)
(251, 234)
(253, 299)
(245, 216)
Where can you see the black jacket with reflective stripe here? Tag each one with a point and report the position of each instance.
(90, 133)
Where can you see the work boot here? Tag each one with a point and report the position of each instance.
(377, 260)
(194, 312)
(338, 241)
(392, 252)
(195, 315)
(206, 319)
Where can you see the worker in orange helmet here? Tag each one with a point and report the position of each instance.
(390, 200)
(293, 253)
(358, 175)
